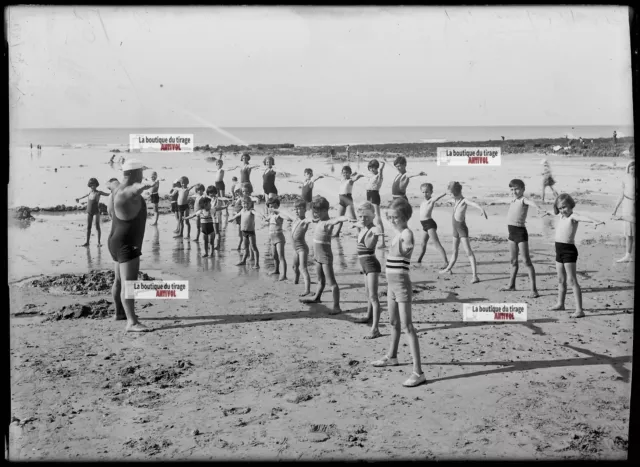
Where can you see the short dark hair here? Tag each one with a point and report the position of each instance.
(202, 201)
(347, 168)
(308, 171)
(426, 185)
(516, 183)
(563, 198)
(300, 203)
(400, 160)
(319, 203)
(374, 164)
(212, 190)
(454, 187)
(275, 202)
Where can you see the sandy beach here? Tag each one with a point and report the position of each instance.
(242, 370)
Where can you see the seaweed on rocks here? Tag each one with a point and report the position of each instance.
(78, 284)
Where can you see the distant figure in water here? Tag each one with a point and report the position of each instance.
(348, 150)
(615, 137)
(55, 170)
(92, 208)
(502, 138)
(112, 160)
(31, 145)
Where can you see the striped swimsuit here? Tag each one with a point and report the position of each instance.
(275, 230)
(397, 272)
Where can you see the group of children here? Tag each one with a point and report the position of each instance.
(366, 218)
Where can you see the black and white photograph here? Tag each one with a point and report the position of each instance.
(305, 233)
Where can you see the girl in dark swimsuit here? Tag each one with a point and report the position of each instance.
(269, 178)
(92, 208)
(307, 187)
(245, 170)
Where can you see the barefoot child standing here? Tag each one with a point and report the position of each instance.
(518, 235)
(93, 201)
(368, 234)
(206, 223)
(373, 193)
(196, 207)
(428, 224)
(248, 226)
(183, 206)
(566, 252)
(277, 238)
(173, 196)
(547, 179)
(399, 293)
(154, 196)
(460, 229)
(301, 253)
(323, 254)
(345, 196)
(307, 186)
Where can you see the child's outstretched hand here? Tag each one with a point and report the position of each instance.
(597, 224)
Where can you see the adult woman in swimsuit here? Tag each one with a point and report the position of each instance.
(245, 170)
(129, 215)
(93, 200)
(401, 180)
(628, 201)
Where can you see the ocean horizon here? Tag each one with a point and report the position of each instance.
(312, 136)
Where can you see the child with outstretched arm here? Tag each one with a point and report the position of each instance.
(93, 210)
(248, 226)
(566, 252)
(429, 226)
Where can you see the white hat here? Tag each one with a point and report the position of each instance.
(133, 164)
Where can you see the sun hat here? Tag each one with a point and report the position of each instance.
(133, 164)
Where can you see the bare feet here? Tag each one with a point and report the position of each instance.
(186, 237)
(196, 240)
(308, 292)
(205, 255)
(578, 314)
(256, 266)
(121, 317)
(557, 307)
(283, 278)
(534, 294)
(99, 244)
(273, 273)
(86, 244)
(508, 289)
(364, 320)
(373, 334)
(625, 259)
(138, 327)
(335, 311)
(155, 223)
(177, 236)
(311, 300)
(475, 280)
(444, 271)
(241, 263)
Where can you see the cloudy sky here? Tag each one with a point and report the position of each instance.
(233, 66)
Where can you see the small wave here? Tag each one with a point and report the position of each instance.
(433, 140)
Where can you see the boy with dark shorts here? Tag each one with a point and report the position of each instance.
(183, 206)
(154, 196)
(518, 235)
(428, 224)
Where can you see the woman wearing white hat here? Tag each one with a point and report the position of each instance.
(129, 218)
(628, 201)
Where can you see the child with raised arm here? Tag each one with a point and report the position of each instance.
(547, 179)
(248, 226)
(399, 291)
(367, 238)
(518, 235)
(401, 181)
(566, 252)
(307, 187)
(154, 197)
(277, 238)
(269, 178)
(219, 182)
(345, 196)
(205, 217)
(245, 170)
(429, 226)
(173, 196)
(93, 201)
(183, 206)
(196, 207)
(460, 229)
(301, 250)
(323, 253)
(373, 193)
(628, 201)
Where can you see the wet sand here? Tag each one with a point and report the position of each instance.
(242, 370)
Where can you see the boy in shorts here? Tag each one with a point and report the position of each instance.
(428, 224)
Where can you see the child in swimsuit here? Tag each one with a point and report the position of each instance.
(367, 239)
(429, 226)
(401, 181)
(566, 252)
(245, 170)
(307, 187)
(248, 226)
(196, 206)
(277, 238)
(460, 229)
(628, 201)
(154, 196)
(220, 187)
(205, 223)
(399, 291)
(373, 193)
(218, 204)
(269, 178)
(518, 235)
(183, 206)
(93, 201)
(298, 232)
(547, 179)
(173, 196)
(345, 196)
(323, 253)
(234, 187)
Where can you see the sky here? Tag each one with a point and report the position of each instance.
(118, 67)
